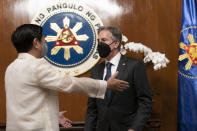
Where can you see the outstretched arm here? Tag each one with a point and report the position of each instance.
(49, 78)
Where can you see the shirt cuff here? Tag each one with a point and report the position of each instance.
(102, 89)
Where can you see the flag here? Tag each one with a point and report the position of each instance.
(187, 76)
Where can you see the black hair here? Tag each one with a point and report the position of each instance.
(22, 38)
(115, 33)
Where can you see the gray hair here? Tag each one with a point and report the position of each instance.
(115, 33)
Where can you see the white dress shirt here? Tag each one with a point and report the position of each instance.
(31, 93)
(114, 61)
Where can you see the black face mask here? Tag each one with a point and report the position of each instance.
(103, 49)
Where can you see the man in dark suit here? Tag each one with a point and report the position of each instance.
(128, 110)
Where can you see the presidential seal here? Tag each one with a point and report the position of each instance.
(70, 31)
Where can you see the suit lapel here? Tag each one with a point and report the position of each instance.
(101, 70)
(121, 68)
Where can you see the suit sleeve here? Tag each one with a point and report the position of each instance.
(92, 112)
(144, 99)
(48, 77)
(91, 115)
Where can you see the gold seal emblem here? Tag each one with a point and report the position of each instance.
(191, 52)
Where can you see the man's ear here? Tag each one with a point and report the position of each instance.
(36, 43)
(117, 43)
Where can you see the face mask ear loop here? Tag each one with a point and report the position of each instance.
(112, 42)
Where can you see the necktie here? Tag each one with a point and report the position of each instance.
(107, 76)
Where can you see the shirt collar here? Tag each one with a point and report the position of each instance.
(115, 60)
(25, 55)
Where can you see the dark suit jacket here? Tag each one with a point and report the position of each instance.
(128, 109)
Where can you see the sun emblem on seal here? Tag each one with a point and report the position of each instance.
(66, 38)
(191, 52)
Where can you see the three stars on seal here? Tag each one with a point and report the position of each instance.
(66, 38)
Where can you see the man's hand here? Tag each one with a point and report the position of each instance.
(66, 123)
(115, 84)
(130, 130)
